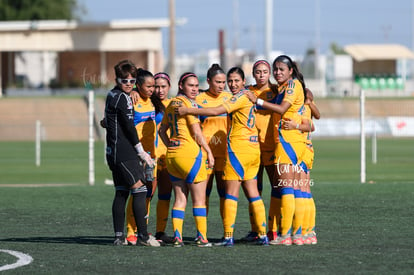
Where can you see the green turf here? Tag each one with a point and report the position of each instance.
(362, 228)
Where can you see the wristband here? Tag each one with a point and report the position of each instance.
(297, 126)
(259, 102)
(139, 148)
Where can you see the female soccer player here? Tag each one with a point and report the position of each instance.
(185, 162)
(144, 121)
(122, 148)
(242, 158)
(215, 128)
(307, 223)
(162, 87)
(291, 143)
(265, 90)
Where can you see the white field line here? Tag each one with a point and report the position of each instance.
(40, 185)
(23, 259)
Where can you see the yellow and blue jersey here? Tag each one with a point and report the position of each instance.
(264, 120)
(182, 142)
(160, 148)
(307, 115)
(293, 93)
(243, 150)
(214, 127)
(243, 135)
(184, 156)
(144, 121)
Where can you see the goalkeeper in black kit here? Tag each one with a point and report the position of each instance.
(125, 156)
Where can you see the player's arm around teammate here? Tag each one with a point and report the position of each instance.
(185, 162)
(291, 143)
(242, 158)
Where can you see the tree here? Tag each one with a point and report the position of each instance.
(39, 10)
(336, 49)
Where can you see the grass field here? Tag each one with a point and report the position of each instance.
(362, 228)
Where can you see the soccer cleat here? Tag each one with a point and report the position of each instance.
(250, 237)
(120, 241)
(310, 238)
(298, 240)
(162, 237)
(282, 240)
(151, 241)
(228, 242)
(263, 240)
(132, 240)
(178, 242)
(203, 243)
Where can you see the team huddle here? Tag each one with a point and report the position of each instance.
(198, 136)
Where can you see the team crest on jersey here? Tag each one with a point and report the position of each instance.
(269, 95)
(176, 103)
(233, 99)
(289, 91)
(205, 101)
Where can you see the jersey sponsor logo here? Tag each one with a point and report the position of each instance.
(254, 139)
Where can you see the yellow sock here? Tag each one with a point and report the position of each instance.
(177, 217)
(299, 212)
(287, 210)
(253, 225)
(312, 215)
(306, 217)
(274, 208)
(200, 217)
(259, 215)
(229, 215)
(162, 214)
(130, 218)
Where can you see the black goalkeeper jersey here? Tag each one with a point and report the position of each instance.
(121, 135)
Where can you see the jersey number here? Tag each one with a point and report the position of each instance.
(172, 121)
(251, 121)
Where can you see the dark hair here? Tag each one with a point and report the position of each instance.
(236, 70)
(124, 68)
(163, 76)
(214, 70)
(183, 79)
(156, 101)
(291, 65)
(141, 75)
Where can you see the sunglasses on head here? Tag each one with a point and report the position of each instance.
(127, 80)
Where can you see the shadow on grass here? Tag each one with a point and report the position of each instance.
(87, 240)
